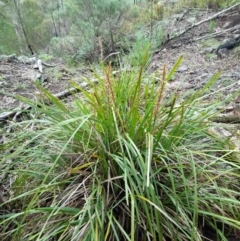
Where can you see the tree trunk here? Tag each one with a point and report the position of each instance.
(19, 27)
(111, 36)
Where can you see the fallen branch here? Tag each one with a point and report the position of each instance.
(217, 33)
(48, 65)
(199, 23)
(61, 95)
(226, 118)
(116, 53)
(7, 58)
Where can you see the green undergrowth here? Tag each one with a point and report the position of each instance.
(125, 161)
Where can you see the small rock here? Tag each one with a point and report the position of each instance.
(178, 16)
(237, 31)
(203, 76)
(178, 85)
(174, 46)
(223, 53)
(236, 109)
(236, 36)
(226, 40)
(235, 74)
(182, 69)
(38, 76)
(208, 50)
(191, 20)
(226, 25)
(44, 78)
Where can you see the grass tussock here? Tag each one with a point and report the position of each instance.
(123, 162)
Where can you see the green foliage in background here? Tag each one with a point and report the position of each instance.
(37, 31)
(87, 31)
(8, 40)
(97, 27)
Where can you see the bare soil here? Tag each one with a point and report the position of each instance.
(19, 79)
(200, 64)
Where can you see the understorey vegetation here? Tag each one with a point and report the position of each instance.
(129, 156)
(126, 160)
(83, 31)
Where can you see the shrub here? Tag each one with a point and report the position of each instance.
(120, 163)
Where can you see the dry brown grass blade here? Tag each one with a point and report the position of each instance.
(109, 88)
(160, 93)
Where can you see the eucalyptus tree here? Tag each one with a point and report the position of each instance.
(25, 21)
(14, 9)
(8, 38)
(96, 25)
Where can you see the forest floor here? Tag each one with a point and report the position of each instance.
(198, 66)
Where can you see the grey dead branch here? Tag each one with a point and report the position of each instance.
(36, 62)
(174, 36)
(61, 95)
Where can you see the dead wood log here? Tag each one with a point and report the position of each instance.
(226, 118)
(27, 60)
(61, 95)
(24, 60)
(8, 58)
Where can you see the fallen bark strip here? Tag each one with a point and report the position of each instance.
(61, 95)
(199, 23)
